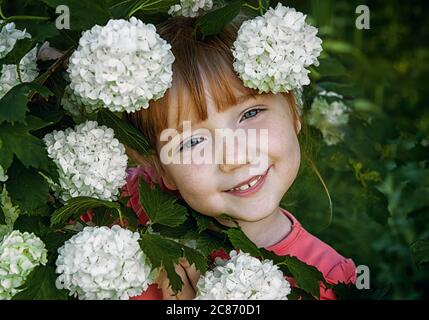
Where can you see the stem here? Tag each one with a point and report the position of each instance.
(121, 221)
(261, 7)
(18, 72)
(313, 166)
(141, 6)
(2, 16)
(250, 6)
(12, 18)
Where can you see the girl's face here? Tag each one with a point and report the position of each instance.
(207, 187)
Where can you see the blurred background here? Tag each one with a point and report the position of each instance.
(377, 176)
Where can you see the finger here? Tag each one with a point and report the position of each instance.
(192, 273)
(187, 292)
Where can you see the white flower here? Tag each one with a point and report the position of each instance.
(190, 8)
(3, 175)
(272, 51)
(73, 104)
(20, 253)
(121, 66)
(28, 71)
(103, 263)
(243, 277)
(90, 161)
(329, 119)
(9, 36)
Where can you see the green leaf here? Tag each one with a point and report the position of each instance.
(163, 253)
(203, 221)
(17, 140)
(124, 132)
(160, 206)
(195, 257)
(53, 241)
(420, 250)
(39, 225)
(307, 277)
(214, 21)
(240, 241)
(83, 14)
(40, 285)
(75, 207)
(27, 187)
(13, 106)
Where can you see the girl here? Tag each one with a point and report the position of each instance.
(207, 92)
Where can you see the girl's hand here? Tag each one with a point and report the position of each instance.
(189, 275)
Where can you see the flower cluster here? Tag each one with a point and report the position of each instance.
(121, 66)
(272, 51)
(91, 161)
(20, 253)
(329, 118)
(9, 36)
(190, 8)
(243, 277)
(28, 71)
(102, 263)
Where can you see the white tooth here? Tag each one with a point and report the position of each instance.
(253, 182)
(244, 187)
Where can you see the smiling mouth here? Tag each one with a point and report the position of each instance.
(249, 186)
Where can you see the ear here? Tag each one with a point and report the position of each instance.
(166, 178)
(168, 182)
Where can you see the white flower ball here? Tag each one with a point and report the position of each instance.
(101, 263)
(243, 277)
(28, 71)
(90, 160)
(121, 66)
(272, 51)
(9, 36)
(20, 253)
(329, 118)
(190, 8)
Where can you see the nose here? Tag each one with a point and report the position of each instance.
(234, 155)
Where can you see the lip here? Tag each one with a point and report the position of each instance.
(251, 190)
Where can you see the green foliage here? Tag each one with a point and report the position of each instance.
(377, 177)
(214, 21)
(40, 285)
(161, 207)
(13, 106)
(124, 132)
(76, 207)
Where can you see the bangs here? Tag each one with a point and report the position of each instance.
(209, 75)
(203, 68)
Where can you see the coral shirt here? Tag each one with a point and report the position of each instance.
(307, 248)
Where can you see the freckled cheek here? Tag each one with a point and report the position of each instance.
(282, 142)
(194, 181)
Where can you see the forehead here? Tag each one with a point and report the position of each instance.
(188, 106)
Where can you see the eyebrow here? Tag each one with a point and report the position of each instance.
(239, 101)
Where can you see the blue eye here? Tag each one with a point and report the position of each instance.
(251, 113)
(192, 142)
